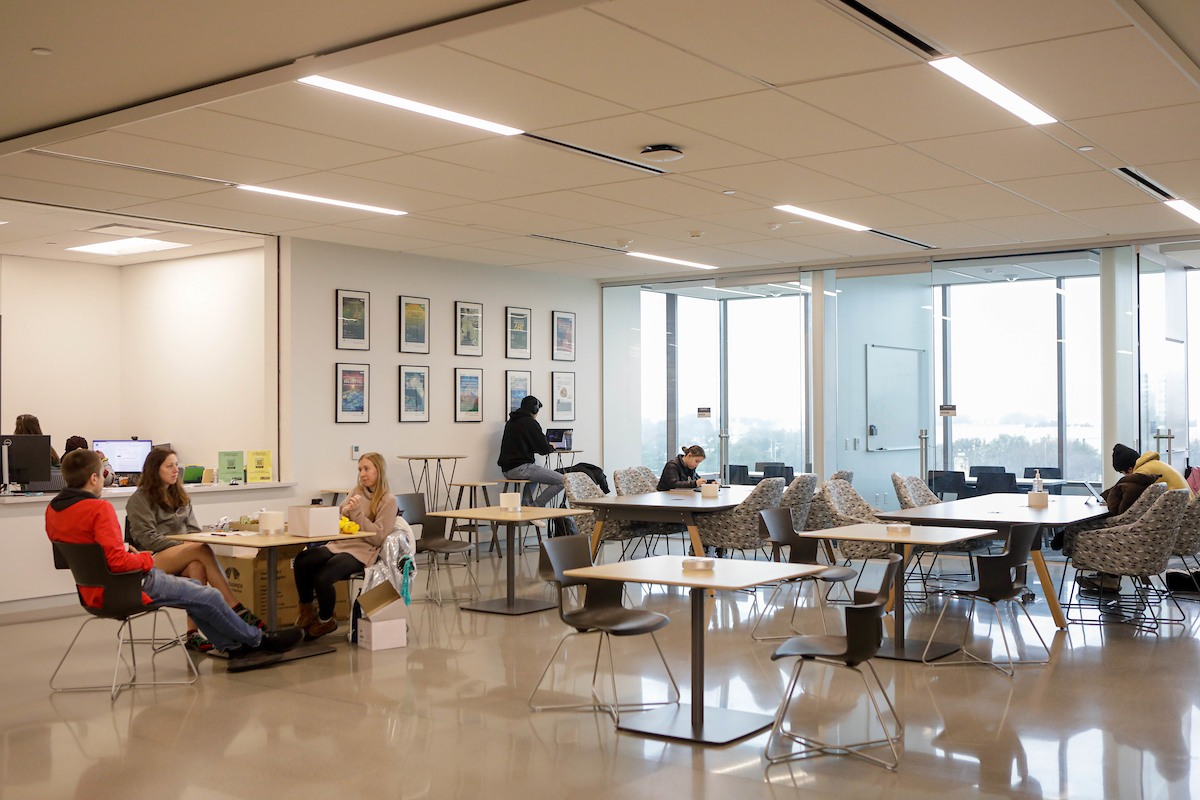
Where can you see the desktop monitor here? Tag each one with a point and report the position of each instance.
(125, 455)
(25, 458)
(560, 438)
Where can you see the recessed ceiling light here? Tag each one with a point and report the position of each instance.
(854, 226)
(661, 153)
(127, 247)
(312, 198)
(1087, 148)
(392, 100)
(729, 191)
(1185, 208)
(122, 230)
(1001, 95)
(679, 261)
(42, 51)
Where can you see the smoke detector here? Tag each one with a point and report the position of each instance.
(661, 153)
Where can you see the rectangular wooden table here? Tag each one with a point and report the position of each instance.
(510, 603)
(1003, 512)
(680, 506)
(696, 722)
(899, 647)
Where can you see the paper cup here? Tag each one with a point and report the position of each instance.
(510, 501)
(270, 521)
(710, 490)
(898, 529)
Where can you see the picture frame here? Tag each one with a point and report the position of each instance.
(468, 394)
(414, 393)
(518, 383)
(517, 322)
(562, 396)
(414, 324)
(562, 328)
(352, 392)
(468, 328)
(352, 310)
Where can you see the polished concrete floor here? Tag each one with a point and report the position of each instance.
(1110, 717)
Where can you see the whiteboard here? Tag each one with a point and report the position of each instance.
(894, 378)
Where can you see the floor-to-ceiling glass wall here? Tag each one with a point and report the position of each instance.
(1162, 350)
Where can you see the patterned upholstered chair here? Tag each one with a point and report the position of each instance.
(1131, 514)
(846, 475)
(1187, 545)
(642, 480)
(579, 486)
(848, 508)
(903, 496)
(920, 492)
(915, 492)
(741, 528)
(1137, 551)
(798, 497)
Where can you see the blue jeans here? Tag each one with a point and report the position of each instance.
(216, 620)
(553, 481)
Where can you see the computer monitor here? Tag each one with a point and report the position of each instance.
(25, 458)
(125, 455)
(560, 438)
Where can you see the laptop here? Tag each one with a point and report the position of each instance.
(560, 438)
(1094, 492)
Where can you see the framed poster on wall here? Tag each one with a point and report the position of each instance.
(468, 395)
(414, 394)
(562, 390)
(516, 332)
(562, 325)
(353, 310)
(468, 327)
(414, 324)
(353, 389)
(517, 383)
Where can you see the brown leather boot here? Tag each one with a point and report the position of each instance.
(308, 615)
(319, 628)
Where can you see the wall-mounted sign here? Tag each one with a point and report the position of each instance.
(703, 413)
(947, 411)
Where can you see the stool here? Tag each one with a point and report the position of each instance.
(470, 526)
(518, 485)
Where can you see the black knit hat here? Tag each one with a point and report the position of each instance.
(1124, 458)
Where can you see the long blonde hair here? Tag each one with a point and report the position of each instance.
(382, 489)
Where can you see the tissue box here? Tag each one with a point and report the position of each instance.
(1039, 499)
(313, 520)
(384, 622)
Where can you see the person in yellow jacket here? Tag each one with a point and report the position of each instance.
(1126, 460)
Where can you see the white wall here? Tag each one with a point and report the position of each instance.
(319, 450)
(60, 356)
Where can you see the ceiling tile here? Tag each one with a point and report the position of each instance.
(453, 179)
(948, 235)
(98, 176)
(422, 227)
(1146, 137)
(863, 245)
(1005, 155)
(61, 194)
(784, 251)
(479, 255)
(361, 190)
(357, 237)
(663, 192)
(526, 159)
(220, 215)
(988, 26)
(787, 128)
(1097, 189)
(1154, 217)
(1180, 177)
(894, 168)
(684, 230)
(585, 208)
(971, 202)
(775, 182)
(505, 218)
(877, 211)
(1038, 227)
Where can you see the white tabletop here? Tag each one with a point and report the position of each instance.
(498, 514)
(926, 535)
(727, 573)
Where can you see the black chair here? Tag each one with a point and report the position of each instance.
(996, 483)
(864, 633)
(801, 550)
(975, 472)
(121, 600)
(761, 466)
(779, 471)
(739, 474)
(1002, 579)
(601, 613)
(1046, 472)
(434, 542)
(944, 482)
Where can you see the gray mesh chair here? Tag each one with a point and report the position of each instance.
(601, 613)
(864, 633)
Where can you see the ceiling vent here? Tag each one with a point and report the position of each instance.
(872, 19)
(1145, 184)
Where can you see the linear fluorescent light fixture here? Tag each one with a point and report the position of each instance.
(1002, 96)
(854, 226)
(679, 261)
(312, 198)
(127, 247)
(1185, 208)
(392, 100)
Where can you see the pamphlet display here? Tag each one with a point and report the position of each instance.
(258, 466)
(231, 466)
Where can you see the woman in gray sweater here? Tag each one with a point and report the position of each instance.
(160, 508)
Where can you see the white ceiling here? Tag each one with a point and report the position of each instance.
(773, 101)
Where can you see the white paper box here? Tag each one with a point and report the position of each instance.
(382, 635)
(313, 520)
(1039, 499)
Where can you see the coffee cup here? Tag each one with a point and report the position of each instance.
(510, 501)
(270, 521)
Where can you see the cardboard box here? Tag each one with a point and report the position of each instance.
(384, 621)
(247, 577)
(313, 520)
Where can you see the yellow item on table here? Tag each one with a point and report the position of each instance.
(346, 525)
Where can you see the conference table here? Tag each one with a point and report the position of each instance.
(696, 722)
(680, 506)
(1003, 513)
(898, 647)
(510, 604)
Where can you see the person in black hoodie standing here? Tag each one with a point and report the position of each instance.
(522, 442)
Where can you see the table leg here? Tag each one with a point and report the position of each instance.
(899, 648)
(694, 532)
(510, 604)
(597, 530)
(272, 589)
(1056, 611)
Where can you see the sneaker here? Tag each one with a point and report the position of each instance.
(539, 523)
(320, 628)
(1099, 582)
(281, 641)
(249, 617)
(196, 642)
(247, 657)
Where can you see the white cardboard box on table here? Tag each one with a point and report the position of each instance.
(313, 520)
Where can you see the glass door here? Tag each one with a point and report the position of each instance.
(1162, 329)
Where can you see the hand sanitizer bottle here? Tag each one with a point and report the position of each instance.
(1037, 480)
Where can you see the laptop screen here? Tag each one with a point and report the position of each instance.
(560, 438)
(1092, 489)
